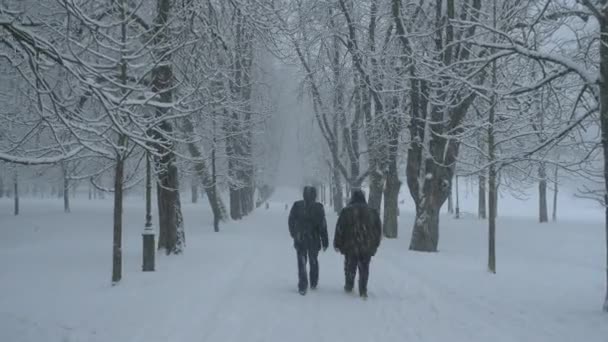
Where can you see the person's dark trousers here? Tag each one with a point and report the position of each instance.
(351, 264)
(310, 256)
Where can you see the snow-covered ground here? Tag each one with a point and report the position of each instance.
(240, 284)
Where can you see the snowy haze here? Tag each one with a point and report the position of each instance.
(265, 97)
(297, 130)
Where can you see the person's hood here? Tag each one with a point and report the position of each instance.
(358, 197)
(310, 194)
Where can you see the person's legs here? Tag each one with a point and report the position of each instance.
(313, 256)
(302, 276)
(350, 271)
(363, 264)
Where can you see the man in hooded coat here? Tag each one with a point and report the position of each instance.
(357, 237)
(308, 229)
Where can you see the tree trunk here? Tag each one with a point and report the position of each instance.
(376, 183)
(217, 206)
(555, 191)
(393, 184)
(338, 200)
(235, 203)
(492, 182)
(234, 159)
(171, 229)
(482, 197)
(117, 233)
(425, 235)
(120, 164)
(162, 232)
(66, 188)
(543, 214)
(16, 193)
(180, 232)
(457, 211)
(321, 194)
(194, 191)
(391, 200)
(492, 220)
(451, 202)
(605, 307)
(604, 127)
(209, 181)
(148, 217)
(331, 188)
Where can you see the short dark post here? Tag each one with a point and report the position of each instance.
(148, 238)
(267, 206)
(148, 235)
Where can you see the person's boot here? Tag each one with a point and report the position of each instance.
(302, 292)
(363, 294)
(348, 288)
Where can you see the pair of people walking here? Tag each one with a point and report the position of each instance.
(357, 237)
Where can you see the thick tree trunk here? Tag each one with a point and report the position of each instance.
(247, 194)
(235, 203)
(391, 200)
(16, 193)
(425, 235)
(194, 191)
(543, 214)
(482, 197)
(171, 229)
(555, 191)
(117, 233)
(451, 201)
(393, 184)
(376, 182)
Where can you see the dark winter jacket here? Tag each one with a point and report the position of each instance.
(307, 225)
(359, 229)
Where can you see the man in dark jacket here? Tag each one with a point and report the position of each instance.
(308, 229)
(357, 237)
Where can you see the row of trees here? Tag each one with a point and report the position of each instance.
(104, 88)
(503, 90)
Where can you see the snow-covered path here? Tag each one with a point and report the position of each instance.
(239, 285)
